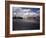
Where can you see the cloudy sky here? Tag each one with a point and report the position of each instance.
(21, 11)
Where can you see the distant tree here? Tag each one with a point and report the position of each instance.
(17, 18)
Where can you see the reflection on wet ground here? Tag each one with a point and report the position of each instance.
(25, 24)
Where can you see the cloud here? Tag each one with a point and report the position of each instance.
(25, 15)
(19, 12)
(38, 11)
